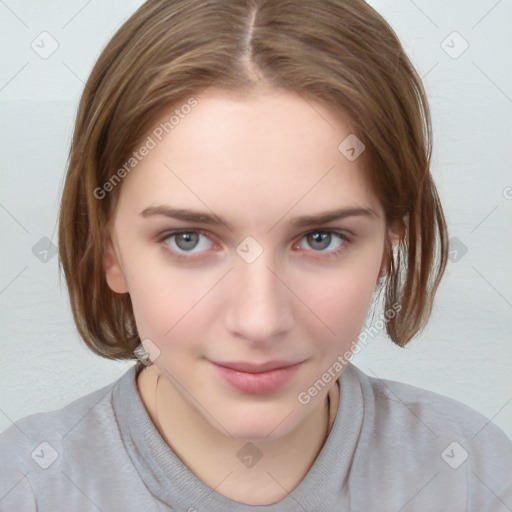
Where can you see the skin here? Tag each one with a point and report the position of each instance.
(258, 162)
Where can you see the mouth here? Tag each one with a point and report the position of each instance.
(257, 368)
(257, 378)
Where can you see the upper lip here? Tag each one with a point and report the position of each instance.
(257, 368)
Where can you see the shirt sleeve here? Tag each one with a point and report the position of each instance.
(16, 492)
(489, 473)
(17, 497)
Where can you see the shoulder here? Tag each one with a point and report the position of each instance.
(437, 413)
(59, 422)
(33, 447)
(424, 435)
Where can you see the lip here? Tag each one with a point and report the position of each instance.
(257, 378)
(257, 368)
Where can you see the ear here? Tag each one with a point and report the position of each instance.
(394, 234)
(113, 270)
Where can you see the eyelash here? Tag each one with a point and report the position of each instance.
(325, 254)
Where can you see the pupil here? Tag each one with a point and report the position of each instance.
(186, 240)
(323, 238)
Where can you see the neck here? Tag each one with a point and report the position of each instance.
(211, 455)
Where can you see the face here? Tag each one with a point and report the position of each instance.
(213, 240)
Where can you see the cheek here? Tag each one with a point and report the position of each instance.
(151, 295)
(353, 301)
(167, 304)
(340, 301)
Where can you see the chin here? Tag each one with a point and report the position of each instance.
(256, 426)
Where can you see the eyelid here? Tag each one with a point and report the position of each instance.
(174, 232)
(170, 232)
(345, 235)
(337, 231)
(346, 238)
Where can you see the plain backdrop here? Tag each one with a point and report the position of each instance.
(462, 50)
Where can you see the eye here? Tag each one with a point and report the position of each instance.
(325, 239)
(183, 242)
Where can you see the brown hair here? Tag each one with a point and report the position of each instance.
(341, 52)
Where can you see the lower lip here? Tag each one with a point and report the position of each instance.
(257, 383)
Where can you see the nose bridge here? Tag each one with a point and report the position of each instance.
(261, 305)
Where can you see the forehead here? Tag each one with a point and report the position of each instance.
(268, 151)
(285, 125)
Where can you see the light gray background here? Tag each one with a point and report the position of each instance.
(466, 350)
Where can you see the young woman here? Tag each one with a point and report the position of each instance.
(244, 178)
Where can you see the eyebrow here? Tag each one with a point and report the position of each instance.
(201, 217)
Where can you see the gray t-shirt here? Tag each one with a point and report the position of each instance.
(393, 447)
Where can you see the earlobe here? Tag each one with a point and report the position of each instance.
(113, 271)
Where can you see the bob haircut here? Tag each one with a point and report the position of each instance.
(339, 52)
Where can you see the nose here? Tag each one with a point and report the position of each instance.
(260, 307)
